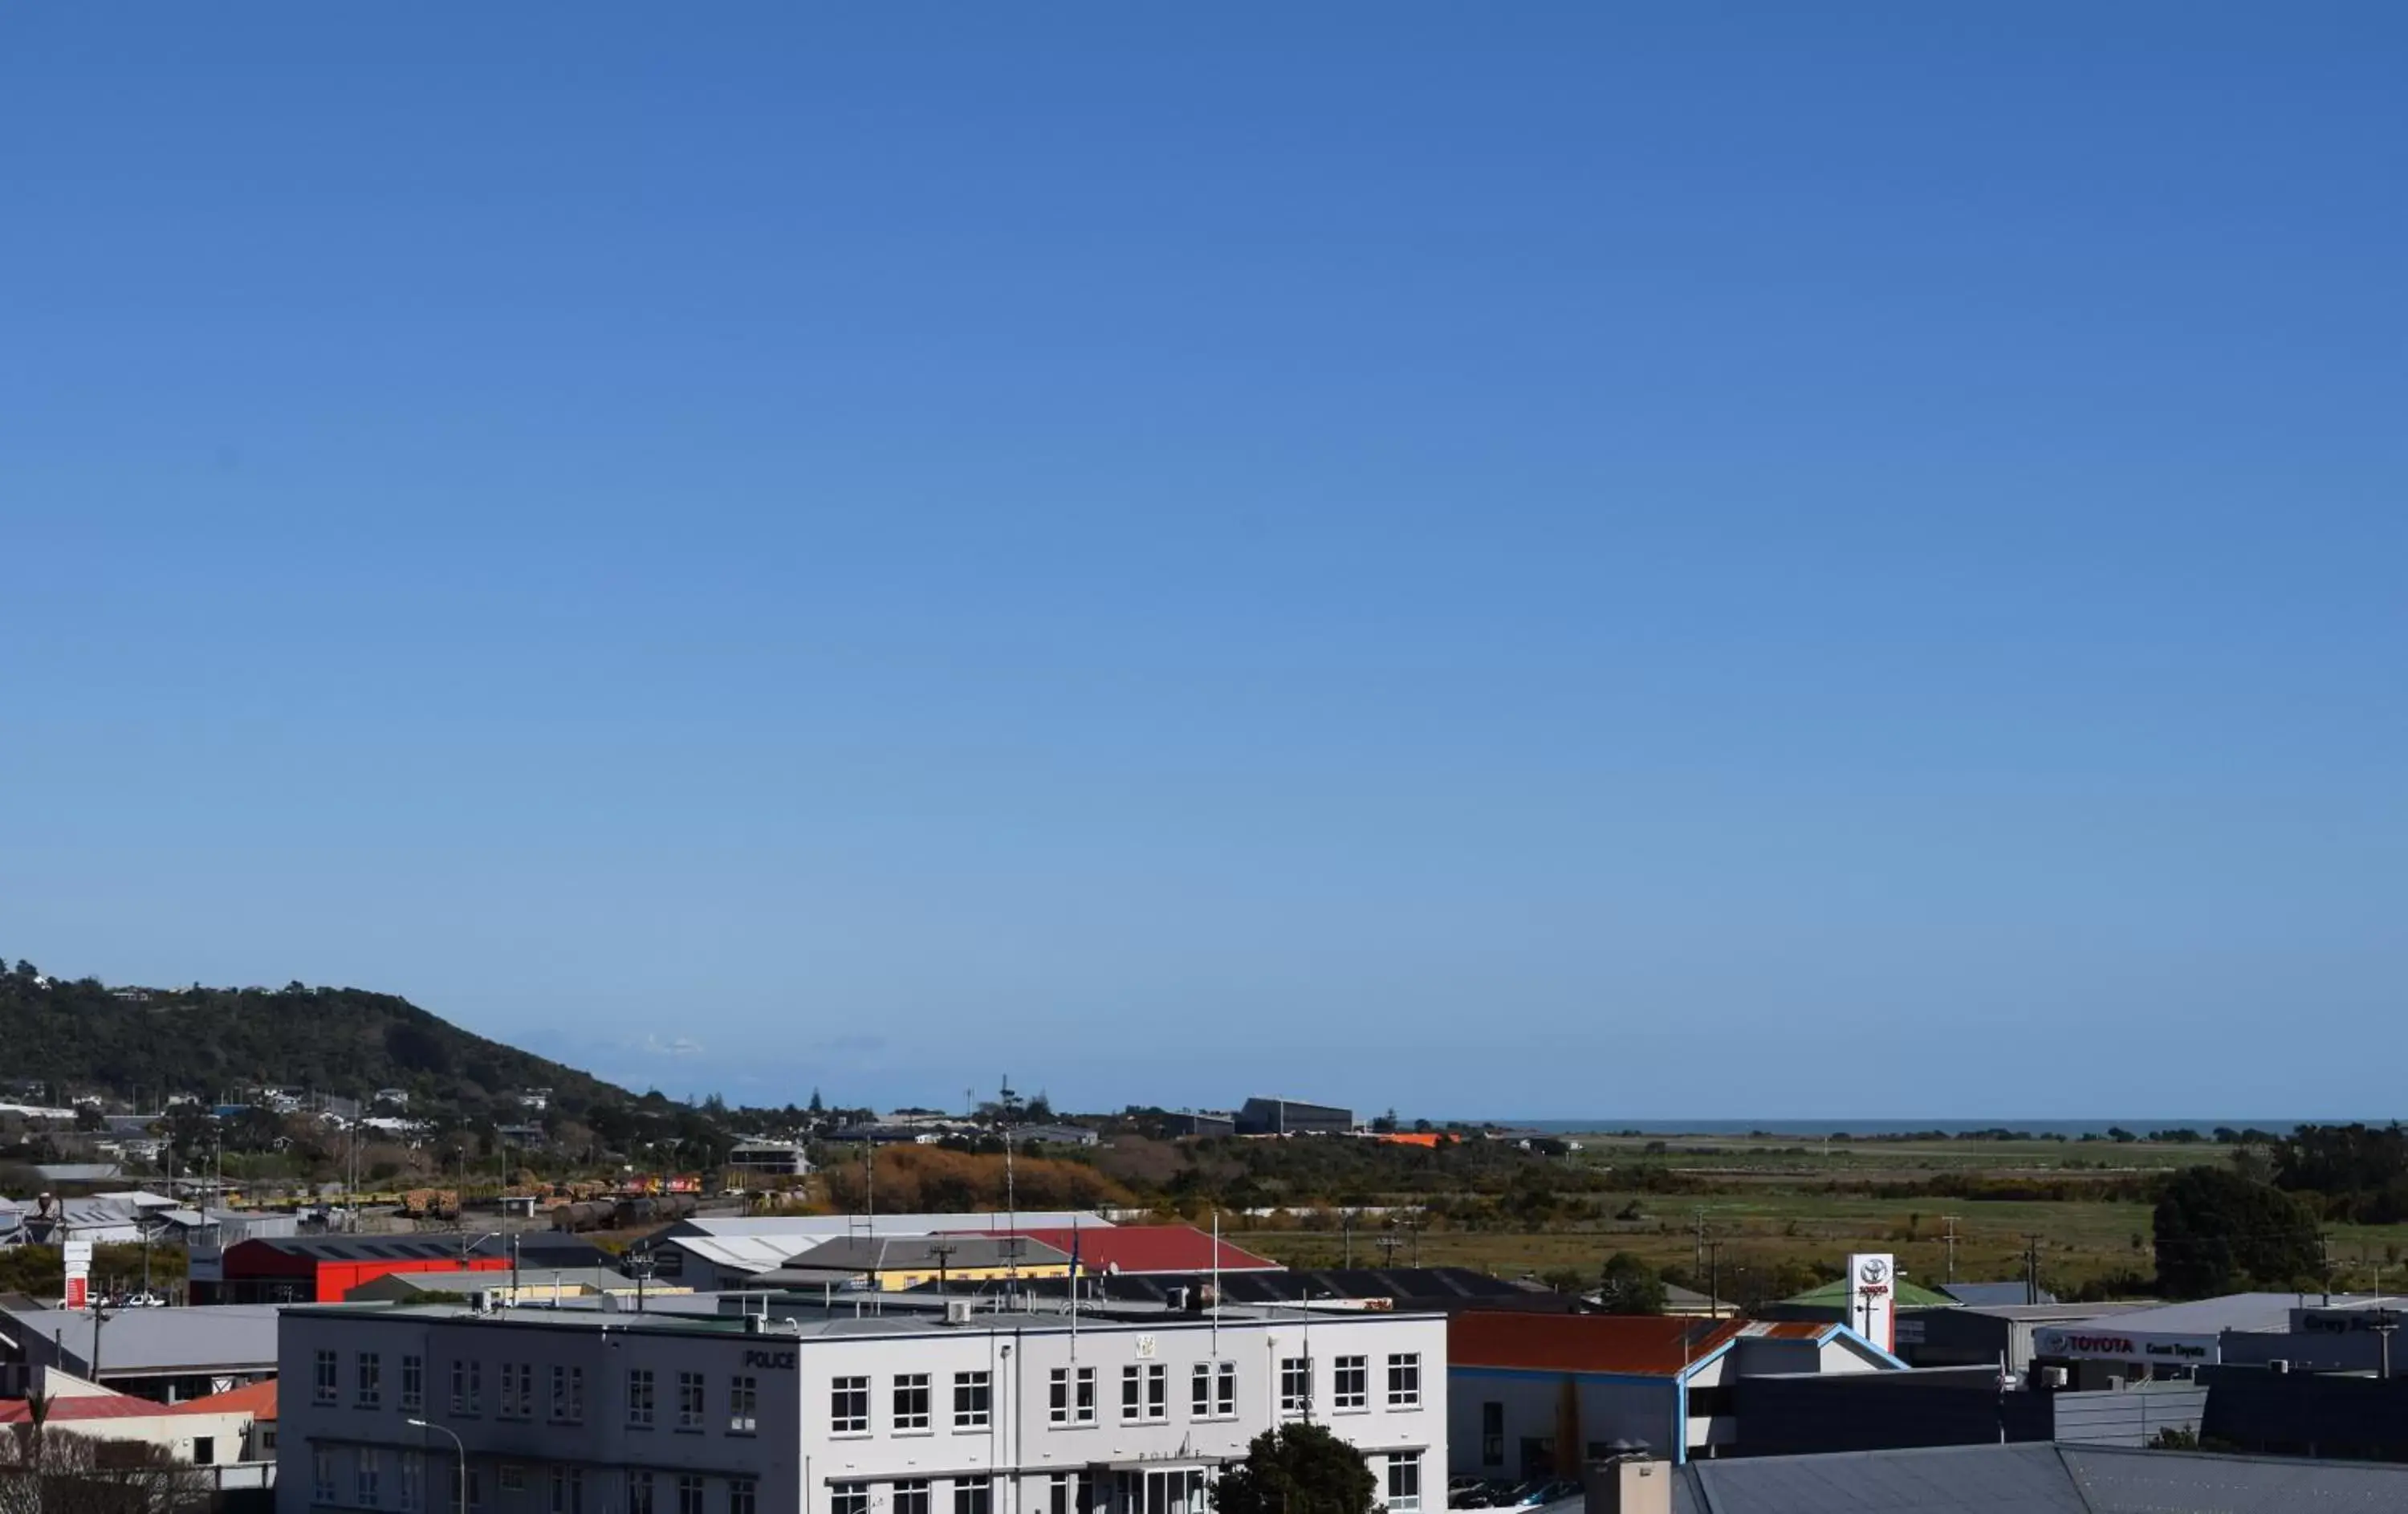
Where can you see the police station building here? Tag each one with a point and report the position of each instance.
(837, 1410)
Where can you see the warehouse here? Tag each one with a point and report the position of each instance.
(1292, 1116)
(323, 1269)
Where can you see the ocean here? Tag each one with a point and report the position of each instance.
(1817, 1129)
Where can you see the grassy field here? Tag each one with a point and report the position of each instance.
(1773, 1202)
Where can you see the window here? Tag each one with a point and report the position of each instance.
(911, 1410)
(640, 1492)
(322, 1476)
(204, 1450)
(413, 1477)
(1296, 1385)
(1405, 1380)
(368, 1380)
(847, 1498)
(568, 1395)
(743, 1495)
(1404, 1482)
(973, 1495)
(325, 1377)
(467, 1387)
(567, 1489)
(1157, 1390)
(476, 1490)
(413, 1383)
(513, 1477)
(689, 1493)
(1065, 1493)
(1082, 1396)
(518, 1389)
(1212, 1390)
(848, 1408)
(367, 1472)
(640, 1397)
(911, 1498)
(743, 1396)
(689, 1401)
(1352, 1389)
(1132, 1393)
(973, 1397)
(1492, 1434)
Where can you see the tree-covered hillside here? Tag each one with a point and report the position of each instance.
(83, 1037)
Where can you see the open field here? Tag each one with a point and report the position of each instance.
(1767, 1203)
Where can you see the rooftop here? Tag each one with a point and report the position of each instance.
(1643, 1346)
(257, 1400)
(2253, 1312)
(916, 1253)
(1131, 1248)
(145, 1341)
(802, 1318)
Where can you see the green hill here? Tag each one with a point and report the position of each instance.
(84, 1037)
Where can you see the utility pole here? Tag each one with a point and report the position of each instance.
(2324, 1248)
(1346, 1224)
(1700, 1213)
(2031, 1268)
(1951, 1245)
(1714, 1280)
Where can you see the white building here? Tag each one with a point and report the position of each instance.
(770, 1158)
(837, 1412)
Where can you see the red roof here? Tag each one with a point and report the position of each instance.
(84, 1406)
(1138, 1248)
(258, 1400)
(1646, 1345)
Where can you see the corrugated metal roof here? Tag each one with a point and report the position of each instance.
(2125, 1480)
(1953, 1479)
(233, 1335)
(1634, 1344)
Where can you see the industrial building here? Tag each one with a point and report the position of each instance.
(1205, 1122)
(714, 1255)
(1292, 1116)
(1123, 1410)
(1134, 1250)
(323, 1269)
(526, 1285)
(169, 1355)
(1650, 1381)
(894, 1263)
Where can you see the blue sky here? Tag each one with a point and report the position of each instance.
(1740, 559)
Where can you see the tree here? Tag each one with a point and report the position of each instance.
(47, 1470)
(1298, 1469)
(2218, 1232)
(1630, 1285)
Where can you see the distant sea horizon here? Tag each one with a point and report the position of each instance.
(2071, 1128)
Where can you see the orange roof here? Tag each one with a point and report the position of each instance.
(1648, 1345)
(1426, 1138)
(258, 1400)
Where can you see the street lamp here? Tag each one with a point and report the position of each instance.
(464, 1458)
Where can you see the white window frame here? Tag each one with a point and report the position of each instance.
(856, 1389)
(973, 1400)
(367, 1380)
(919, 1421)
(1408, 1463)
(1358, 1368)
(326, 1382)
(644, 1398)
(367, 1477)
(744, 1404)
(1404, 1379)
(1296, 1386)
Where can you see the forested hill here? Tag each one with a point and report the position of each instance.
(133, 1043)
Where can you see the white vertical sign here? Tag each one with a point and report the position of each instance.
(1872, 1298)
(78, 1266)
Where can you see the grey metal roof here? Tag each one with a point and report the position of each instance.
(143, 1341)
(2231, 1311)
(1950, 1479)
(2126, 1480)
(1994, 1293)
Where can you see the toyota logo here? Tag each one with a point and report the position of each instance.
(1874, 1270)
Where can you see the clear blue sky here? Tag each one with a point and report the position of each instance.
(1738, 559)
